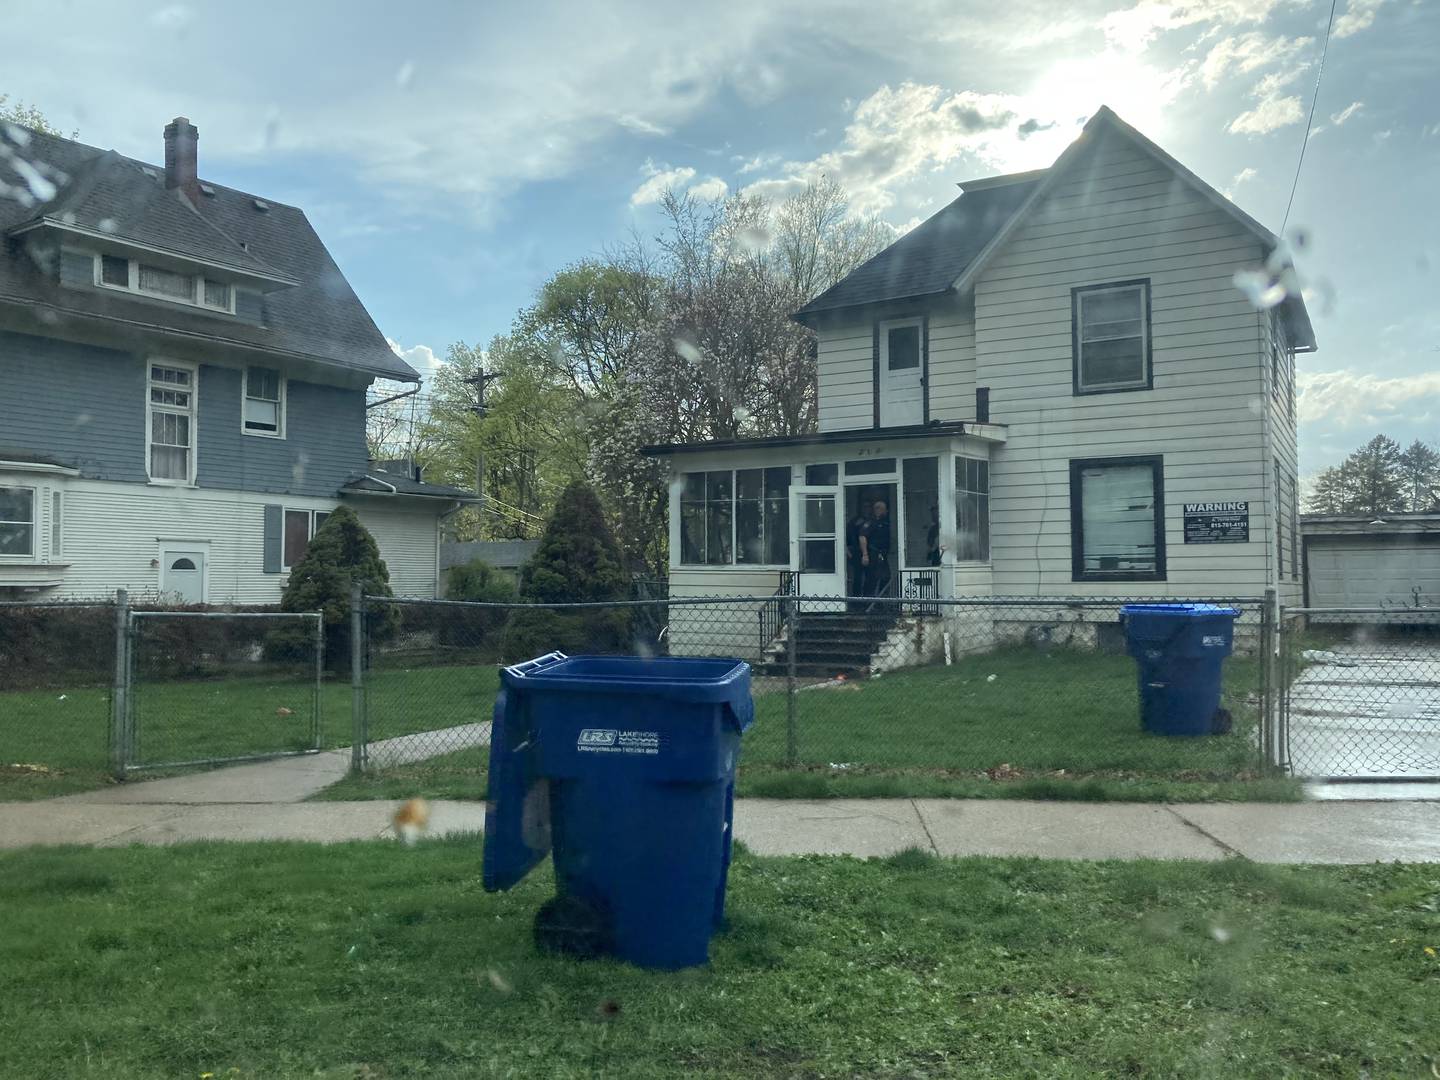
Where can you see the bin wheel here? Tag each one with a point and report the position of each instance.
(1222, 723)
(574, 927)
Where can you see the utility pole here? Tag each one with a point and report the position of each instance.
(478, 381)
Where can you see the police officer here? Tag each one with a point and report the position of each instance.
(875, 550)
(855, 585)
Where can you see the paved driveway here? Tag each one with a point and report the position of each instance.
(1368, 710)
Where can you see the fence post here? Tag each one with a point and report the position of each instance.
(357, 678)
(120, 688)
(1269, 672)
(317, 707)
(792, 732)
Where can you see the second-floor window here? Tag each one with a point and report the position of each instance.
(17, 521)
(1110, 327)
(172, 423)
(264, 410)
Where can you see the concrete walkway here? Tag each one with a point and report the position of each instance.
(1317, 832)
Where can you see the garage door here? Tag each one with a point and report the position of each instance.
(1371, 573)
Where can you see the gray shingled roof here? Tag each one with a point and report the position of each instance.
(383, 483)
(928, 258)
(321, 318)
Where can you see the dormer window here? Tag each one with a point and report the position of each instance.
(147, 279)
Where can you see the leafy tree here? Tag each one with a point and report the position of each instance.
(341, 552)
(1420, 477)
(29, 116)
(578, 561)
(1373, 477)
(1328, 495)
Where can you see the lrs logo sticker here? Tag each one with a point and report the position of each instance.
(595, 737)
(610, 741)
(1212, 641)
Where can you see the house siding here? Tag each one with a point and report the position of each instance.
(78, 403)
(112, 534)
(324, 440)
(1122, 216)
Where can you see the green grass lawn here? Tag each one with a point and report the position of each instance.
(185, 720)
(1057, 724)
(374, 960)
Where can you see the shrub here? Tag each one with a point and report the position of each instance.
(341, 552)
(578, 561)
(477, 582)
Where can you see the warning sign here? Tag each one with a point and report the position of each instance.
(1217, 522)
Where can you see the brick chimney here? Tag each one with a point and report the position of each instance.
(181, 139)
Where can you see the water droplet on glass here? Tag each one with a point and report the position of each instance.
(405, 74)
(688, 350)
(1220, 934)
(1299, 238)
(81, 419)
(106, 225)
(18, 135)
(1262, 289)
(753, 238)
(1256, 406)
(498, 981)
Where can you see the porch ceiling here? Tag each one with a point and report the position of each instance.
(988, 432)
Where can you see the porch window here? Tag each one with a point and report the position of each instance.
(972, 510)
(1111, 327)
(920, 493)
(1117, 519)
(17, 521)
(762, 516)
(740, 516)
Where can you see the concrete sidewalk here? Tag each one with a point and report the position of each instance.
(1322, 832)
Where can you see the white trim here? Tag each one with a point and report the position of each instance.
(121, 241)
(281, 409)
(37, 467)
(34, 553)
(193, 414)
(132, 288)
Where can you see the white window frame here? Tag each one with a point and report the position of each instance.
(1146, 379)
(193, 413)
(197, 281)
(285, 512)
(245, 428)
(34, 522)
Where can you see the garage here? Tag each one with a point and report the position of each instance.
(1370, 561)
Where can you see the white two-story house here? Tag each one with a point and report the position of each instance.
(1058, 376)
(185, 372)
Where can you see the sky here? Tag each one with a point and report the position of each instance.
(453, 155)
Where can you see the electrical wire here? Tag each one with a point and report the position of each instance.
(1315, 97)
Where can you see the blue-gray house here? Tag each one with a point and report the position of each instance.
(185, 372)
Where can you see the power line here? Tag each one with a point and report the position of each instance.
(1315, 97)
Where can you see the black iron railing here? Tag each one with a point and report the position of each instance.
(919, 589)
(772, 612)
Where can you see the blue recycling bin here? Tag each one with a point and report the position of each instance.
(624, 767)
(1179, 649)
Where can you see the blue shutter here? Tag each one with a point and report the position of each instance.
(274, 537)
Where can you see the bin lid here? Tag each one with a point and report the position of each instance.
(1179, 611)
(701, 680)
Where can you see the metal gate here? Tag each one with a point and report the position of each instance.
(1360, 693)
(210, 688)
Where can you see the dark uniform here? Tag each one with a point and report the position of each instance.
(877, 539)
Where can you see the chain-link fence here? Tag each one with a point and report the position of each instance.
(206, 687)
(981, 688)
(57, 671)
(1361, 693)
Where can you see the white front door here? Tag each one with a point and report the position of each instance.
(182, 575)
(819, 559)
(902, 388)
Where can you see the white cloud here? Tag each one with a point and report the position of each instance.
(1348, 399)
(640, 125)
(1136, 27)
(758, 162)
(1346, 113)
(658, 181)
(420, 357)
(1270, 114)
(172, 17)
(1244, 176)
(709, 189)
(1358, 15)
(1243, 53)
